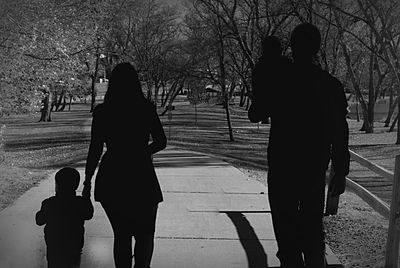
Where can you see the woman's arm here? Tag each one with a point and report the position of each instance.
(159, 140)
(95, 149)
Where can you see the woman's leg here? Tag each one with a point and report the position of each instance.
(143, 252)
(122, 236)
(122, 250)
(144, 237)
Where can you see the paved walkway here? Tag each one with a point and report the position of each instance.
(212, 216)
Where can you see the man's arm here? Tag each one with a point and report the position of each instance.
(340, 140)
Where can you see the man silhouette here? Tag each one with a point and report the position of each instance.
(308, 129)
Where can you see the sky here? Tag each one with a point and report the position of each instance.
(180, 3)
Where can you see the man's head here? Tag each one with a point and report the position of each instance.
(305, 41)
(67, 180)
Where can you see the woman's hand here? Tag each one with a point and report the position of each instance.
(87, 187)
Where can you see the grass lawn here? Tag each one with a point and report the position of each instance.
(32, 150)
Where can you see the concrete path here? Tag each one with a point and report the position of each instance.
(212, 216)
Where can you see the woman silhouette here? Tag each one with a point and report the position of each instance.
(126, 183)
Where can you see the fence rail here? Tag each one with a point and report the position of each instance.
(392, 213)
(371, 199)
(372, 166)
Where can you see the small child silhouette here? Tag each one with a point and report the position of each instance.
(267, 80)
(64, 215)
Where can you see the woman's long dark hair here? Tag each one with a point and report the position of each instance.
(124, 86)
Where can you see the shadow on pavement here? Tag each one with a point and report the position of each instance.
(256, 256)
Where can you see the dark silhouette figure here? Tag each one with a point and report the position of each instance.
(126, 183)
(267, 76)
(308, 129)
(64, 215)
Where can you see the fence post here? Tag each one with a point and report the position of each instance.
(392, 244)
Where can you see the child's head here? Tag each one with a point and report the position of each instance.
(67, 180)
(271, 46)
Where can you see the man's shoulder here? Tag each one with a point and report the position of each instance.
(272, 62)
(330, 78)
(329, 81)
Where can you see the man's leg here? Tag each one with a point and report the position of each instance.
(284, 203)
(311, 213)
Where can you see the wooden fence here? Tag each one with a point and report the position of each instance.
(392, 213)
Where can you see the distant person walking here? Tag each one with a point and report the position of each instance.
(308, 129)
(126, 183)
(64, 217)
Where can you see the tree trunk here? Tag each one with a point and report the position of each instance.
(398, 123)
(356, 86)
(175, 92)
(392, 106)
(162, 97)
(394, 123)
(357, 110)
(368, 116)
(232, 90)
(225, 94)
(59, 100)
(69, 104)
(64, 103)
(156, 93)
(171, 90)
(46, 108)
(366, 125)
(242, 100)
(94, 77)
(371, 94)
(228, 116)
(248, 103)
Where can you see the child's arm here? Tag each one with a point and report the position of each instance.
(41, 215)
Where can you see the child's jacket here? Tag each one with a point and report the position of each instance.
(64, 217)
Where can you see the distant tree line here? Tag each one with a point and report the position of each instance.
(56, 48)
